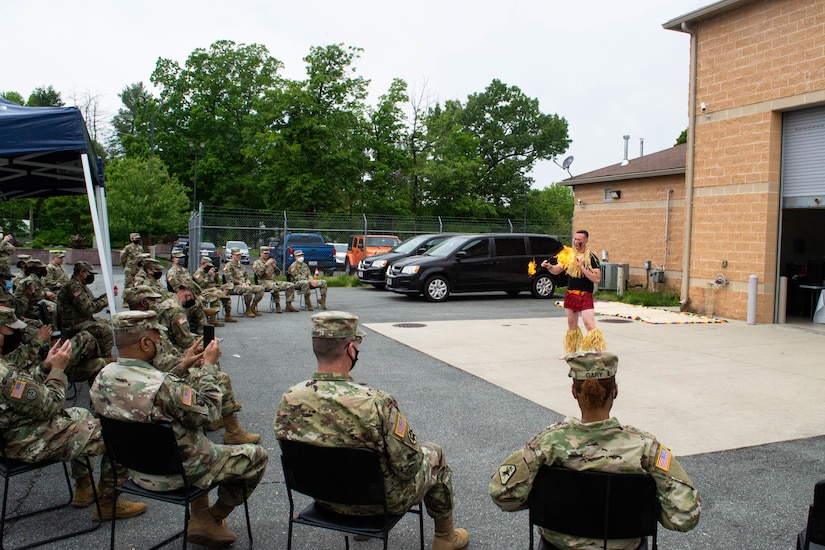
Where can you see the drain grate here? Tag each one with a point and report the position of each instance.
(409, 325)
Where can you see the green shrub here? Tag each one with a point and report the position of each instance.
(640, 298)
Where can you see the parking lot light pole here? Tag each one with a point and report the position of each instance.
(196, 152)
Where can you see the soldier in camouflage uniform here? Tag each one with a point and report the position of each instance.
(129, 258)
(36, 426)
(332, 410)
(76, 307)
(209, 280)
(132, 390)
(56, 276)
(150, 275)
(6, 250)
(266, 275)
(597, 442)
(178, 276)
(177, 345)
(31, 299)
(23, 348)
(302, 278)
(236, 275)
(22, 261)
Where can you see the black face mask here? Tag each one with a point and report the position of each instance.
(355, 360)
(11, 341)
(157, 274)
(188, 303)
(40, 271)
(90, 278)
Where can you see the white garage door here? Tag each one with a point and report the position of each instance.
(803, 158)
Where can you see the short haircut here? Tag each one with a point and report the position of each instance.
(329, 349)
(583, 232)
(126, 339)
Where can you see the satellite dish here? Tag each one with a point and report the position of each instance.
(567, 162)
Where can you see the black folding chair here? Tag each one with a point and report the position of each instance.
(349, 476)
(10, 467)
(152, 449)
(597, 505)
(813, 536)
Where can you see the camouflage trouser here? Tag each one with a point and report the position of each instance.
(196, 318)
(129, 276)
(85, 361)
(275, 287)
(102, 331)
(251, 293)
(211, 296)
(240, 466)
(305, 286)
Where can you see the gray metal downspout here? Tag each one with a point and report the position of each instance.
(691, 142)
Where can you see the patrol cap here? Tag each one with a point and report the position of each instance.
(335, 324)
(264, 249)
(9, 319)
(24, 257)
(177, 254)
(235, 251)
(206, 260)
(5, 296)
(133, 322)
(84, 266)
(144, 255)
(34, 262)
(153, 263)
(135, 294)
(57, 253)
(592, 364)
(298, 253)
(133, 236)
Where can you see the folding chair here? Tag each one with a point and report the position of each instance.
(10, 467)
(813, 536)
(317, 473)
(301, 298)
(597, 505)
(152, 449)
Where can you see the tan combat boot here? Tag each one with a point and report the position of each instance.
(278, 307)
(83, 494)
(204, 529)
(448, 538)
(235, 435)
(123, 508)
(228, 308)
(255, 308)
(323, 301)
(250, 312)
(308, 301)
(290, 308)
(212, 316)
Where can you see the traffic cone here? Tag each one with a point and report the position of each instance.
(316, 271)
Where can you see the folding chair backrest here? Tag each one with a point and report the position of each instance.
(333, 474)
(816, 516)
(598, 505)
(147, 448)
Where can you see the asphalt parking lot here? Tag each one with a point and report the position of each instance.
(754, 497)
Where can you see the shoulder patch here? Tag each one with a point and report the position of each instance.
(401, 426)
(505, 472)
(403, 432)
(18, 389)
(663, 459)
(182, 320)
(77, 293)
(187, 396)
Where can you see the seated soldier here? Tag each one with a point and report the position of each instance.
(22, 261)
(33, 302)
(209, 280)
(56, 276)
(303, 280)
(266, 275)
(178, 276)
(132, 390)
(236, 275)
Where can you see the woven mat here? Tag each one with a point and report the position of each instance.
(652, 315)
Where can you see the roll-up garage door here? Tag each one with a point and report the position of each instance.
(803, 158)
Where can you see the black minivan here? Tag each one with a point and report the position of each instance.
(479, 263)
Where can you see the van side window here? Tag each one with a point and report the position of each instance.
(477, 249)
(544, 246)
(510, 246)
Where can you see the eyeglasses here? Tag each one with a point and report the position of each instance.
(358, 339)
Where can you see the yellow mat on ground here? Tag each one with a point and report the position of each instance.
(652, 315)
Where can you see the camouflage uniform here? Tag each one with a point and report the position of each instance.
(22, 260)
(266, 275)
(56, 276)
(607, 446)
(129, 257)
(6, 250)
(133, 390)
(142, 278)
(210, 284)
(332, 410)
(236, 275)
(172, 315)
(301, 276)
(178, 276)
(76, 307)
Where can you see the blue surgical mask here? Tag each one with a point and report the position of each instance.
(8, 285)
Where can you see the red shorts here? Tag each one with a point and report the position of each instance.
(577, 302)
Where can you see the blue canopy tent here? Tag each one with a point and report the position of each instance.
(46, 151)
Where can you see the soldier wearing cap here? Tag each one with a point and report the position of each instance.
(597, 442)
(133, 390)
(32, 301)
(150, 274)
(76, 307)
(177, 277)
(301, 277)
(236, 275)
(36, 426)
(22, 265)
(129, 257)
(266, 275)
(332, 410)
(209, 279)
(6, 250)
(56, 276)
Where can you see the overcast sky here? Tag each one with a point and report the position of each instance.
(606, 66)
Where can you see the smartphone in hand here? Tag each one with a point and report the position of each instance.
(208, 334)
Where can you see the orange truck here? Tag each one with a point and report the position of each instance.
(364, 246)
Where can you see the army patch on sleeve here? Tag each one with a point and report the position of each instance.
(505, 472)
(182, 321)
(664, 458)
(187, 396)
(404, 432)
(18, 389)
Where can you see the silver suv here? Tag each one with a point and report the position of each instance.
(236, 244)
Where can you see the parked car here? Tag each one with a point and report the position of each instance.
(364, 246)
(340, 254)
(479, 263)
(227, 249)
(210, 250)
(373, 270)
(318, 254)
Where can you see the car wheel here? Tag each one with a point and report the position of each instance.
(436, 289)
(543, 286)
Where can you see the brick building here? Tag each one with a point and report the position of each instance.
(748, 199)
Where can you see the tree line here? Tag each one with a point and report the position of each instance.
(227, 129)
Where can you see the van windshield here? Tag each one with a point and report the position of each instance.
(446, 247)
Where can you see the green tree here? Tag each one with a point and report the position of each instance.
(133, 128)
(154, 205)
(45, 97)
(14, 97)
(682, 138)
(553, 205)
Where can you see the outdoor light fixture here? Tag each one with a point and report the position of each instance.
(615, 194)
